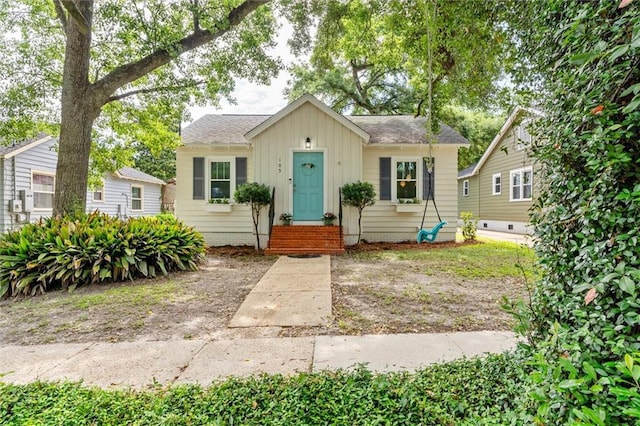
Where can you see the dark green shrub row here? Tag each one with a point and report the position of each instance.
(465, 392)
(68, 252)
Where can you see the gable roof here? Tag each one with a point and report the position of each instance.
(17, 148)
(215, 129)
(129, 173)
(517, 112)
(298, 103)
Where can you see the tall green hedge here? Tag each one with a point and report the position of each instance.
(586, 313)
(68, 252)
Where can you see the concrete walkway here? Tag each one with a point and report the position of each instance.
(294, 292)
(140, 364)
(506, 236)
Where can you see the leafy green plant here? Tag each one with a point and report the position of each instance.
(359, 195)
(68, 252)
(464, 392)
(585, 217)
(258, 196)
(469, 226)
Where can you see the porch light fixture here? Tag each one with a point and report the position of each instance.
(307, 143)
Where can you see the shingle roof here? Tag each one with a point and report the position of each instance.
(467, 172)
(221, 129)
(135, 174)
(383, 129)
(7, 150)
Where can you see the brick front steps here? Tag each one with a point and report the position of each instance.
(305, 239)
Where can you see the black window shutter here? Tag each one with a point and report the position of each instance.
(241, 171)
(385, 178)
(428, 180)
(198, 178)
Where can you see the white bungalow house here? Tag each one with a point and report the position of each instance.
(307, 152)
(28, 179)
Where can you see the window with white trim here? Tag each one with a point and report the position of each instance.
(43, 186)
(496, 184)
(221, 177)
(465, 188)
(98, 194)
(521, 184)
(523, 137)
(406, 179)
(136, 198)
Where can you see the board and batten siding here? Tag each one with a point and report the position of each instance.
(117, 198)
(342, 148)
(381, 222)
(470, 203)
(504, 158)
(218, 228)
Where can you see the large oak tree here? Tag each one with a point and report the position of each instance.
(112, 70)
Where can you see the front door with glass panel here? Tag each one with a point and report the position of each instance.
(308, 186)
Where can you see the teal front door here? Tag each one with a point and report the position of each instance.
(308, 185)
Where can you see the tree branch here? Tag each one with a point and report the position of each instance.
(60, 14)
(75, 13)
(132, 71)
(154, 90)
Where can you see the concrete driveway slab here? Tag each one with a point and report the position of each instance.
(223, 358)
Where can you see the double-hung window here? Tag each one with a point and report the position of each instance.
(496, 184)
(521, 184)
(221, 178)
(98, 194)
(465, 188)
(43, 186)
(136, 198)
(406, 184)
(523, 137)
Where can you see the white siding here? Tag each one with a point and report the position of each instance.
(381, 222)
(235, 227)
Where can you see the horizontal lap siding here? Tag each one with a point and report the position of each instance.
(117, 198)
(41, 158)
(471, 202)
(498, 207)
(235, 227)
(382, 222)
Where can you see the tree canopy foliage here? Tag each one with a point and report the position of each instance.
(371, 56)
(102, 74)
(584, 58)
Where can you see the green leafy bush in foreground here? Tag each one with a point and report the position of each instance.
(465, 392)
(95, 248)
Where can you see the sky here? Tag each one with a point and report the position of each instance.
(253, 98)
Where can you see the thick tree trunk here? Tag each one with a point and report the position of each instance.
(78, 112)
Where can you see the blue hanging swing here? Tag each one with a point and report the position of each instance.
(429, 235)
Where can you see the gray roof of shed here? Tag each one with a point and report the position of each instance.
(383, 129)
(467, 172)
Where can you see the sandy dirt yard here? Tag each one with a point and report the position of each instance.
(371, 294)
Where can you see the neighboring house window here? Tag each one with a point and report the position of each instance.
(465, 188)
(406, 179)
(221, 178)
(136, 198)
(496, 184)
(523, 136)
(521, 184)
(43, 186)
(98, 194)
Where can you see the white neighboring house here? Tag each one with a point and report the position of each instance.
(28, 181)
(307, 151)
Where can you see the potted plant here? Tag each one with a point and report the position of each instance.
(328, 218)
(286, 218)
